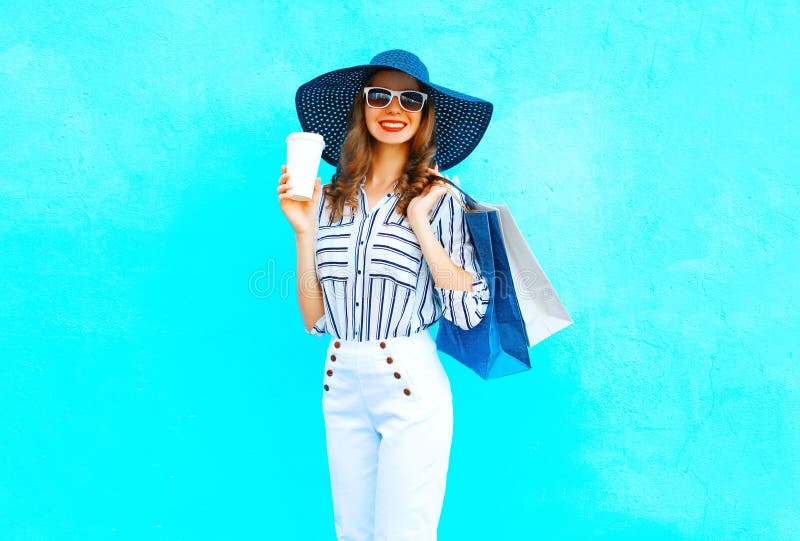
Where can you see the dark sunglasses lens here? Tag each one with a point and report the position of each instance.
(412, 101)
(378, 97)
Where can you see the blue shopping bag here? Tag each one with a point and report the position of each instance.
(498, 345)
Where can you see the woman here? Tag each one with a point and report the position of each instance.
(383, 252)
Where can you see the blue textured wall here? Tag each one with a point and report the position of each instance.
(155, 379)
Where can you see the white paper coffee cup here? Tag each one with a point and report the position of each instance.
(303, 152)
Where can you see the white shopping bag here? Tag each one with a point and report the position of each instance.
(542, 311)
(541, 308)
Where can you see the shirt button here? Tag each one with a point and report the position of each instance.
(362, 242)
(383, 345)
(336, 344)
(326, 387)
(407, 391)
(389, 360)
(330, 372)
(333, 358)
(359, 272)
(396, 374)
(357, 304)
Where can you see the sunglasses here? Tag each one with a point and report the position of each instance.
(380, 98)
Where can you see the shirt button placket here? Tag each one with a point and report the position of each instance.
(360, 289)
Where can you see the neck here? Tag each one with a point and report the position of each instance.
(388, 165)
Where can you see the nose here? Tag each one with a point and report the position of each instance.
(394, 105)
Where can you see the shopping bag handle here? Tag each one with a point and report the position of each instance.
(471, 203)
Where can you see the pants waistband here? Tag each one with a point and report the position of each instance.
(422, 337)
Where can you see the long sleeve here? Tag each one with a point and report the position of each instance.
(319, 328)
(464, 308)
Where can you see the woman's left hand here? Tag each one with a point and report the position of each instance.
(421, 205)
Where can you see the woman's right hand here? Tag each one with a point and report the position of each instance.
(301, 214)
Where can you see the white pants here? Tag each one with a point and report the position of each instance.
(388, 413)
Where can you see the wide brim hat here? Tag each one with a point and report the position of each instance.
(323, 105)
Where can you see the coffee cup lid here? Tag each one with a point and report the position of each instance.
(309, 136)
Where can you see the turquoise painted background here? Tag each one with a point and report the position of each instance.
(155, 379)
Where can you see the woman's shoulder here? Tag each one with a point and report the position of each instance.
(323, 207)
(325, 213)
(455, 195)
(450, 203)
(326, 198)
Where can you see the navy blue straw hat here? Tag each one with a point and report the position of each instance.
(324, 102)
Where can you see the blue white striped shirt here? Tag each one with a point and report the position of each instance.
(375, 281)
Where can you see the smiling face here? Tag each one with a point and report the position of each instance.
(392, 125)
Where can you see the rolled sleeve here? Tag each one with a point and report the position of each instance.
(463, 308)
(319, 328)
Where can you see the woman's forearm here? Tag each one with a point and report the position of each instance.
(309, 292)
(446, 273)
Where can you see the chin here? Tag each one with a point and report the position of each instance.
(398, 138)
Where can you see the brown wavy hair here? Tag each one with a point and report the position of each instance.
(355, 159)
